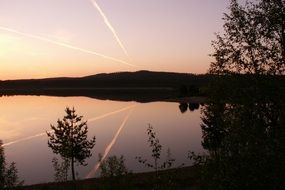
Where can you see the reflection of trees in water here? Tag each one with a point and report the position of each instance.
(192, 107)
(183, 107)
(243, 126)
(245, 138)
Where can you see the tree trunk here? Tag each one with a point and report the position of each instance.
(283, 44)
(72, 168)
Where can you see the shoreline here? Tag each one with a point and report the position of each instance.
(184, 178)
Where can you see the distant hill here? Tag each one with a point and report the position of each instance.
(141, 86)
(139, 79)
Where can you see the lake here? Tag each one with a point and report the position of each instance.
(119, 127)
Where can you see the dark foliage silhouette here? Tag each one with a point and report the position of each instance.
(8, 173)
(69, 139)
(244, 118)
(183, 107)
(141, 86)
(189, 90)
(113, 166)
(139, 79)
(193, 106)
(253, 41)
(61, 169)
(246, 143)
(156, 149)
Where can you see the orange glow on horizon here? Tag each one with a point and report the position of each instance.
(66, 45)
(174, 38)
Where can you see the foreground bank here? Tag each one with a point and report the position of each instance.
(179, 178)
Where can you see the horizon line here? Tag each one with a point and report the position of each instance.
(83, 76)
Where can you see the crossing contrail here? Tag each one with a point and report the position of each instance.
(66, 45)
(109, 147)
(110, 113)
(92, 119)
(24, 139)
(111, 28)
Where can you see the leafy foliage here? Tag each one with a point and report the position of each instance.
(183, 106)
(165, 175)
(246, 144)
(156, 153)
(61, 169)
(253, 41)
(113, 166)
(8, 174)
(69, 139)
(243, 122)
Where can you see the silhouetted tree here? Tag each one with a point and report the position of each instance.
(160, 180)
(193, 106)
(213, 128)
(2, 166)
(156, 148)
(113, 166)
(245, 142)
(253, 41)
(183, 107)
(61, 169)
(243, 120)
(8, 174)
(69, 139)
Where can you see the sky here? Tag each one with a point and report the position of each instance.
(52, 38)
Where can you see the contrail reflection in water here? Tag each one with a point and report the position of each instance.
(109, 147)
(90, 120)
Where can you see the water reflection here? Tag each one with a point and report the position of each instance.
(105, 118)
(183, 107)
(245, 137)
(192, 107)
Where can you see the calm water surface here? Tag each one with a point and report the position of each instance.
(25, 119)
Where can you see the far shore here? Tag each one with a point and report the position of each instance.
(140, 94)
(192, 99)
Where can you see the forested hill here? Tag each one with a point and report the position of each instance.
(139, 79)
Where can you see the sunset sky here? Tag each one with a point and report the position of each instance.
(50, 38)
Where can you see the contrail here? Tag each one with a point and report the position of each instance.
(23, 139)
(66, 45)
(92, 119)
(111, 28)
(109, 147)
